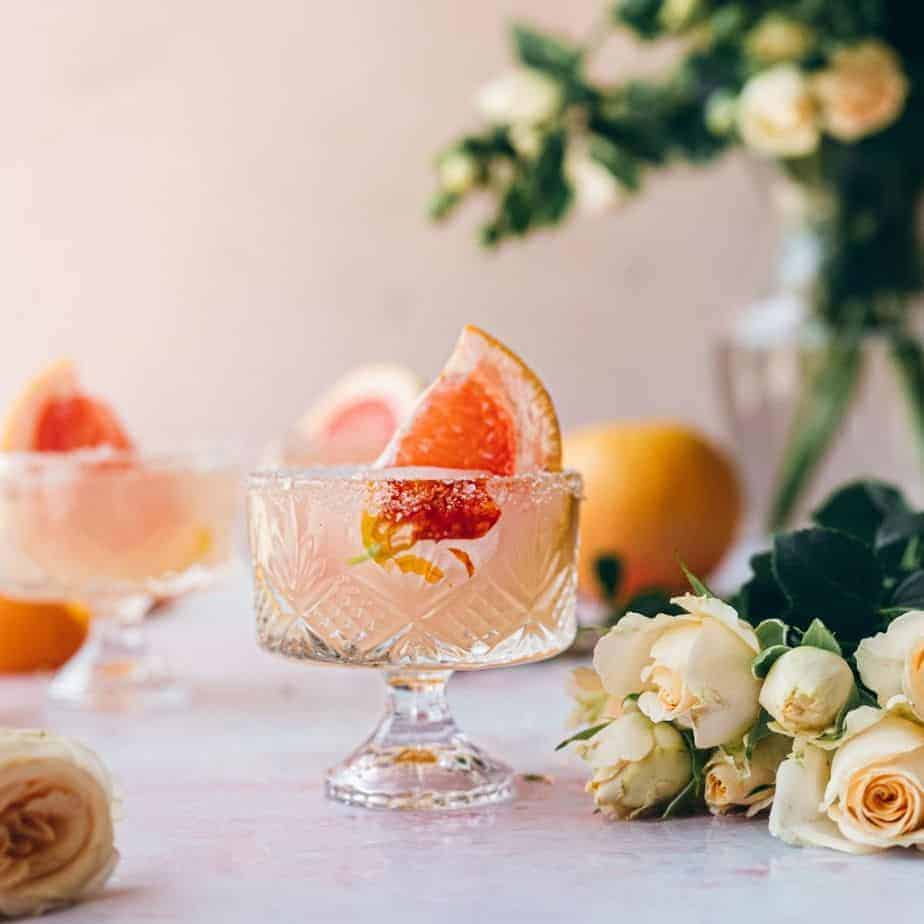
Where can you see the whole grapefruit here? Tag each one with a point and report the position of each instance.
(656, 494)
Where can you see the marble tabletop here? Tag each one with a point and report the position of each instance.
(225, 820)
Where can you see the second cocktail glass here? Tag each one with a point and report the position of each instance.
(419, 573)
(113, 531)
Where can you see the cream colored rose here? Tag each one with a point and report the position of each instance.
(805, 691)
(732, 784)
(777, 113)
(862, 91)
(694, 669)
(595, 188)
(592, 702)
(778, 38)
(521, 97)
(638, 766)
(892, 663)
(458, 172)
(56, 837)
(869, 797)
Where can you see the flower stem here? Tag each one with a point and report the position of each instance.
(909, 363)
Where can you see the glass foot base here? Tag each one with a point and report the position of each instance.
(417, 759)
(451, 775)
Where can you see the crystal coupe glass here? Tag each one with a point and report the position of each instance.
(113, 531)
(419, 573)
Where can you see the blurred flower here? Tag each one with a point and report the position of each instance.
(721, 112)
(595, 188)
(862, 91)
(777, 38)
(871, 795)
(638, 765)
(892, 663)
(592, 702)
(526, 140)
(56, 836)
(806, 689)
(732, 784)
(694, 669)
(458, 172)
(521, 97)
(777, 114)
(675, 15)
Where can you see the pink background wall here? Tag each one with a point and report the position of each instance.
(216, 206)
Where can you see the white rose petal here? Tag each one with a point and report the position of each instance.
(56, 834)
(458, 172)
(777, 38)
(638, 766)
(806, 689)
(731, 784)
(892, 662)
(521, 97)
(692, 669)
(777, 113)
(595, 188)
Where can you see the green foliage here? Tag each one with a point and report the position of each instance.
(700, 588)
(690, 798)
(582, 735)
(817, 635)
(609, 575)
(649, 601)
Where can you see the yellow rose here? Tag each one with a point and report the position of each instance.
(732, 785)
(638, 766)
(892, 663)
(862, 91)
(868, 798)
(778, 38)
(56, 837)
(777, 114)
(805, 691)
(694, 669)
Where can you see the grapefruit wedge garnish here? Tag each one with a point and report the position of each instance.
(54, 414)
(353, 421)
(486, 411)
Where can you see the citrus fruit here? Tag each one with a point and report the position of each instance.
(353, 421)
(486, 411)
(53, 414)
(39, 636)
(656, 494)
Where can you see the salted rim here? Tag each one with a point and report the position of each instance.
(289, 478)
(38, 465)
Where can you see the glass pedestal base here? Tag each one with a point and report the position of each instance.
(113, 671)
(417, 759)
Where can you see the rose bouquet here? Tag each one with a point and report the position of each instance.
(803, 694)
(830, 91)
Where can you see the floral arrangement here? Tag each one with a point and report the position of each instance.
(828, 90)
(803, 694)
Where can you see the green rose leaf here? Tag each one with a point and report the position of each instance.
(818, 636)
(555, 56)
(700, 588)
(826, 571)
(691, 794)
(762, 663)
(860, 509)
(759, 731)
(836, 733)
(762, 597)
(582, 735)
(909, 594)
(771, 632)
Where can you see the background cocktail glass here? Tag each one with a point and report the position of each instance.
(342, 577)
(115, 531)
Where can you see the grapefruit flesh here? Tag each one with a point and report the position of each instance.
(53, 414)
(487, 411)
(353, 421)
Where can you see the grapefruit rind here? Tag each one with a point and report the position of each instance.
(507, 381)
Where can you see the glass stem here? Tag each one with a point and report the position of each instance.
(117, 633)
(416, 712)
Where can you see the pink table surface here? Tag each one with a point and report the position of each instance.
(225, 820)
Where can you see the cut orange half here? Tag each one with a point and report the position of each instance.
(487, 411)
(353, 421)
(53, 414)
